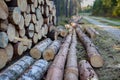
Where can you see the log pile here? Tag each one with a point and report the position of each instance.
(56, 70)
(22, 24)
(94, 56)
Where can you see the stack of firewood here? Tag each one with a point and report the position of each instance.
(22, 24)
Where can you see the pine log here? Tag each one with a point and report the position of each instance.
(94, 57)
(71, 70)
(9, 51)
(31, 30)
(18, 48)
(3, 58)
(3, 10)
(16, 36)
(53, 34)
(22, 5)
(56, 70)
(34, 20)
(3, 39)
(35, 38)
(32, 8)
(28, 18)
(15, 70)
(39, 34)
(39, 48)
(52, 50)
(22, 32)
(4, 25)
(38, 14)
(90, 33)
(46, 29)
(21, 24)
(97, 33)
(11, 32)
(35, 3)
(36, 71)
(62, 31)
(86, 71)
(28, 9)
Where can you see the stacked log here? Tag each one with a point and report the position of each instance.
(56, 70)
(71, 71)
(37, 51)
(94, 57)
(15, 70)
(36, 71)
(23, 24)
(52, 50)
(86, 71)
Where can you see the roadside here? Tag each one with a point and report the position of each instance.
(115, 32)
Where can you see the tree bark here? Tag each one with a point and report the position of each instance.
(52, 50)
(86, 71)
(95, 59)
(15, 70)
(39, 48)
(36, 71)
(56, 70)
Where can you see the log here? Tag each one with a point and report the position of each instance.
(52, 50)
(34, 20)
(16, 36)
(11, 32)
(22, 5)
(56, 70)
(21, 24)
(71, 70)
(4, 25)
(3, 10)
(15, 70)
(32, 8)
(18, 48)
(35, 38)
(28, 18)
(36, 71)
(39, 34)
(22, 32)
(36, 51)
(94, 57)
(3, 39)
(31, 30)
(9, 51)
(86, 71)
(38, 14)
(90, 33)
(28, 9)
(53, 34)
(15, 16)
(35, 3)
(62, 32)
(3, 58)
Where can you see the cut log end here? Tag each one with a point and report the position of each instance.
(96, 61)
(48, 54)
(35, 53)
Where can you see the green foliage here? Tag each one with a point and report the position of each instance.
(106, 8)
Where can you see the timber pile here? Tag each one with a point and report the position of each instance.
(56, 70)
(93, 55)
(22, 24)
(71, 71)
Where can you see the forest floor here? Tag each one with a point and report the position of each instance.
(109, 48)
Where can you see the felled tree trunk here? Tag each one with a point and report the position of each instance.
(39, 48)
(86, 71)
(15, 70)
(71, 71)
(3, 39)
(36, 71)
(95, 58)
(52, 50)
(90, 33)
(56, 70)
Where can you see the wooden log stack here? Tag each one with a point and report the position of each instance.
(22, 24)
(94, 56)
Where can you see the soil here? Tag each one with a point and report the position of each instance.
(109, 48)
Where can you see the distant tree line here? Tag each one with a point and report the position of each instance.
(106, 8)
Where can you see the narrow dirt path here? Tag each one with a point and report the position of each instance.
(112, 30)
(106, 20)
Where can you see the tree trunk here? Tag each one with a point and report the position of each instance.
(15, 70)
(95, 59)
(39, 48)
(52, 50)
(86, 71)
(3, 39)
(22, 5)
(90, 33)
(71, 71)
(56, 70)
(36, 71)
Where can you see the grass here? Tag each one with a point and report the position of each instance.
(106, 46)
